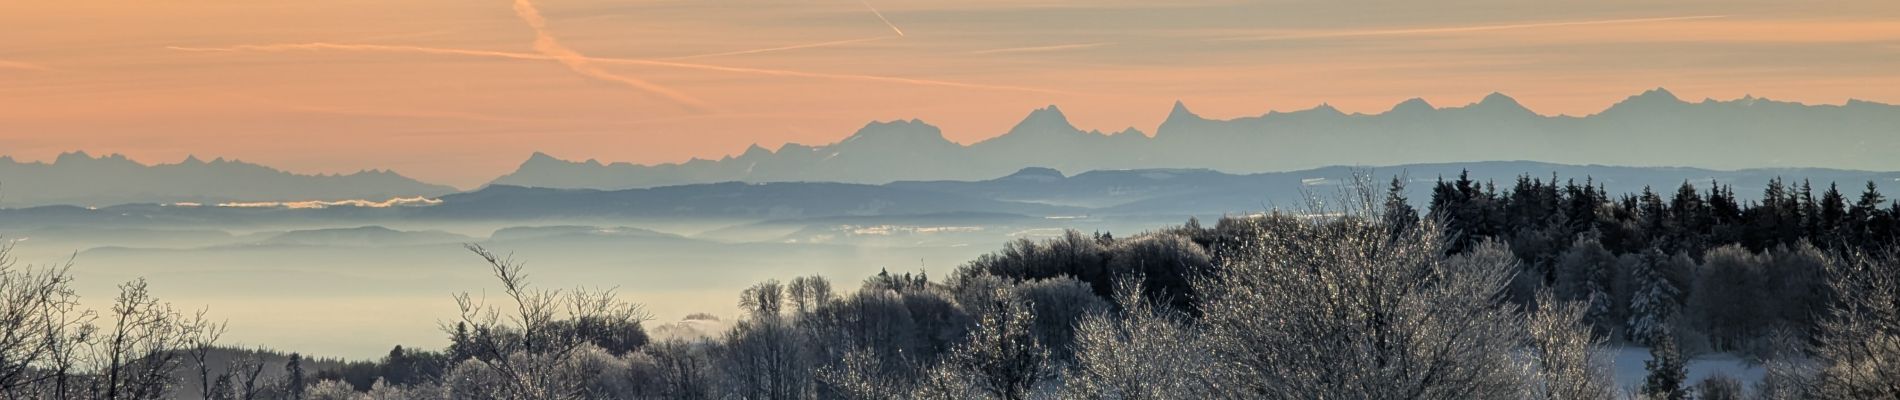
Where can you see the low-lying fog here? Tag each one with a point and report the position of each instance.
(354, 291)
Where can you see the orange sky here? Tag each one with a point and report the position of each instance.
(458, 91)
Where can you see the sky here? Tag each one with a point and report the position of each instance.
(459, 92)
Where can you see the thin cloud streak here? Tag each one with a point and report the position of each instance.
(880, 17)
(545, 43)
(780, 48)
(621, 61)
(1464, 29)
(22, 65)
(1039, 49)
(283, 47)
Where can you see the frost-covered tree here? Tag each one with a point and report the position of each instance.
(765, 357)
(681, 370)
(1730, 302)
(1585, 273)
(1859, 345)
(1653, 303)
(1058, 304)
(1566, 363)
(1146, 351)
(1342, 306)
(1000, 359)
(863, 375)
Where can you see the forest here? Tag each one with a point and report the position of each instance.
(1491, 292)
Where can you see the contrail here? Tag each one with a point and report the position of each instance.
(1036, 49)
(622, 61)
(780, 48)
(1459, 29)
(545, 43)
(880, 17)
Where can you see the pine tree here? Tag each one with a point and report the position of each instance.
(1581, 204)
(1833, 213)
(1653, 304)
(294, 377)
(1866, 221)
(1399, 214)
(1667, 371)
(1691, 219)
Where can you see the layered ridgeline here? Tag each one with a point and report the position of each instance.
(78, 178)
(1039, 193)
(1654, 128)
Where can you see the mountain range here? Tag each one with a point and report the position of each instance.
(1654, 128)
(77, 178)
(1032, 193)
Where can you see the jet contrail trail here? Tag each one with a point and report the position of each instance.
(880, 17)
(622, 61)
(545, 43)
(1459, 29)
(780, 48)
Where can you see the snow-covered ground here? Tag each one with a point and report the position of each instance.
(1630, 371)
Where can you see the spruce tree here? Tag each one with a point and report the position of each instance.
(1399, 214)
(1667, 371)
(1653, 304)
(294, 377)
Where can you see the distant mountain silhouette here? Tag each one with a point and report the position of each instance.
(1019, 199)
(717, 200)
(78, 178)
(1654, 128)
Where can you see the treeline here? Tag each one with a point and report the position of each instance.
(1729, 275)
(1487, 295)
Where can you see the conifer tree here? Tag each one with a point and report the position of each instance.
(1653, 304)
(1667, 371)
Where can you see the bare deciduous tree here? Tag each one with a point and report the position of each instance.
(524, 347)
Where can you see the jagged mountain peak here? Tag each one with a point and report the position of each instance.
(1043, 122)
(1418, 131)
(1181, 113)
(755, 150)
(543, 160)
(542, 157)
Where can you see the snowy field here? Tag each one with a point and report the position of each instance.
(1630, 371)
